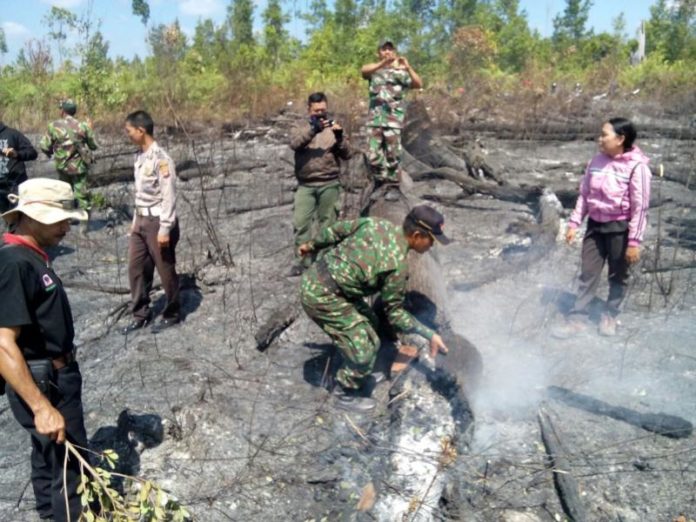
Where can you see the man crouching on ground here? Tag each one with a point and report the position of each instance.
(368, 256)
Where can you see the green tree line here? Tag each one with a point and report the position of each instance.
(229, 69)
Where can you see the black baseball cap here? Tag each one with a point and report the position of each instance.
(386, 43)
(431, 221)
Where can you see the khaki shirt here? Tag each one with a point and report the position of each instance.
(155, 185)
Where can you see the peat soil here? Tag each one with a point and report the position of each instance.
(238, 433)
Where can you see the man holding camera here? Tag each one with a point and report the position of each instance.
(389, 79)
(319, 146)
(15, 149)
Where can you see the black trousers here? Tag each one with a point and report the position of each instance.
(47, 457)
(603, 243)
(144, 255)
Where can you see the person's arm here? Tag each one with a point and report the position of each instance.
(167, 177)
(13, 368)
(342, 146)
(416, 81)
(393, 293)
(369, 69)
(46, 143)
(639, 196)
(301, 135)
(89, 136)
(580, 210)
(24, 150)
(331, 235)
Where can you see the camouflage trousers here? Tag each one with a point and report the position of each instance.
(384, 153)
(78, 182)
(350, 324)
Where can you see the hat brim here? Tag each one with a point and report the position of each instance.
(44, 214)
(442, 239)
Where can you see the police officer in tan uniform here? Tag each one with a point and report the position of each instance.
(155, 229)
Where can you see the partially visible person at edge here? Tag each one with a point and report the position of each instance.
(15, 149)
(70, 142)
(389, 79)
(614, 195)
(37, 355)
(368, 256)
(319, 145)
(154, 232)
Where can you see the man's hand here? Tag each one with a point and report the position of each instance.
(570, 235)
(163, 240)
(51, 423)
(632, 255)
(9, 152)
(338, 131)
(304, 249)
(437, 345)
(402, 63)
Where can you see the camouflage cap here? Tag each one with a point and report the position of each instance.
(429, 220)
(68, 105)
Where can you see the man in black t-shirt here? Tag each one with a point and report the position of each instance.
(37, 355)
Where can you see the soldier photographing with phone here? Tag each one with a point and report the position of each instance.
(389, 79)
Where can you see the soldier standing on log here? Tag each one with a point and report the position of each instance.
(389, 79)
(368, 256)
(155, 229)
(70, 143)
(37, 355)
(319, 146)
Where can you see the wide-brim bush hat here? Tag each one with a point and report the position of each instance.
(47, 201)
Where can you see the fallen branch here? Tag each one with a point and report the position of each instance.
(660, 423)
(566, 486)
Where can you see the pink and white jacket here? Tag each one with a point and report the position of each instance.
(616, 189)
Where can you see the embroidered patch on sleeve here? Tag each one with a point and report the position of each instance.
(164, 169)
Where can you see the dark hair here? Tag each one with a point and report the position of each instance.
(316, 97)
(624, 127)
(70, 111)
(141, 119)
(410, 226)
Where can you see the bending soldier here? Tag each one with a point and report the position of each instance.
(37, 355)
(368, 256)
(70, 142)
(155, 229)
(389, 79)
(319, 146)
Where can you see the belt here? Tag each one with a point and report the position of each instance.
(326, 278)
(63, 360)
(148, 211)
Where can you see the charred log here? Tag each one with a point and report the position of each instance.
(660, 423)
(566, 485)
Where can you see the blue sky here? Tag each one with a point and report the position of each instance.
(126, 34)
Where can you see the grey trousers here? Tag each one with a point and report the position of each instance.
(603, 243)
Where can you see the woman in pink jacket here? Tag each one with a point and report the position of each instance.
(614, 195)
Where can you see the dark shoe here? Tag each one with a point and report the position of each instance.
(134, 325)
(569, 328)
(166, 322)
(607, 326)
(296, 270)
(353, 400)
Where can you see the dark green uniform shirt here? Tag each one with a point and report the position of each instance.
(369, 256)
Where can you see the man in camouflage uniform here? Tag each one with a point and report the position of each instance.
(70, 143)
(389, 79)
(155, 229)
(367, 256)
(319, 145)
